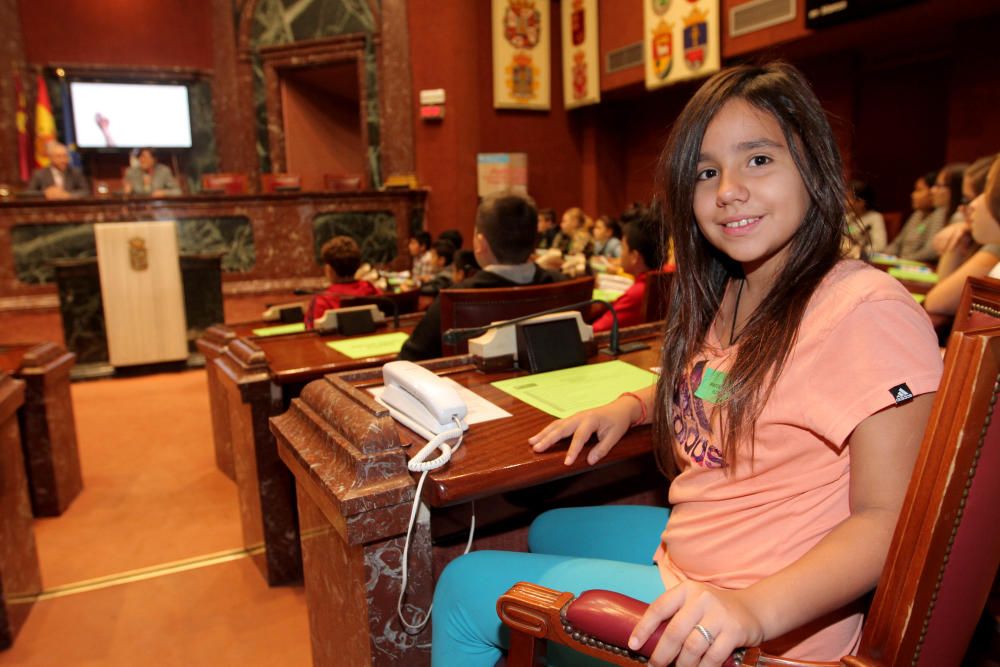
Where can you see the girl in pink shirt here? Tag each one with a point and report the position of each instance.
(794, 391)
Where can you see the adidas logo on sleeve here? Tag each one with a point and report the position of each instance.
(901, 393)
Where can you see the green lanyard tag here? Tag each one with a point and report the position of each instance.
(711, 385)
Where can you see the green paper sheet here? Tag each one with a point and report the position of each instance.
(606, 294)
(914, 276)
(565, 392)
(919, 298)
(378, 345)
(889, 260)
(298, 327)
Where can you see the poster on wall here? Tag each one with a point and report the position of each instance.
(499, 172)
(580, 53)
(521, 71)
(681, 40)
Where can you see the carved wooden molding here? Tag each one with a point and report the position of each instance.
(215, 339)
(11, 396)
(134, 73)
(313, 53)
(344, 450)
(46, 358)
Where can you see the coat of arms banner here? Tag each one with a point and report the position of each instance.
(681, 40)
(580, 53)
(522, 72)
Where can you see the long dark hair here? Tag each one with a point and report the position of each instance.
(954, 173)
(703, 271)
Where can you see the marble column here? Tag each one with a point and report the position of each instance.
(11, 61)
(234, 130)
(396, 90)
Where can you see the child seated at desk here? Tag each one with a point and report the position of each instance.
(341, 259)
(640, 254)
(442, 256)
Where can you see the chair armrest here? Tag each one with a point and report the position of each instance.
(599, 623)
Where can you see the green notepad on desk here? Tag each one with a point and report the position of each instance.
(919, 298)
(890, 260)
(606, 294)
(297, 327)
(567, 391)
(379, 345)
(914, 276)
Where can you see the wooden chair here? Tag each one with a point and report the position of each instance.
(478, 307)
(940, 566)
(656, 300)
(271, 183)
(979, 306)
(224, 183)
(342, 182)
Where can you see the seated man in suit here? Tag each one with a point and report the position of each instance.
(150, 177)
(59, 180)
(504, 237)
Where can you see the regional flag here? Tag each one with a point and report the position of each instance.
(69, 134)
(21, 122)
(45, 124)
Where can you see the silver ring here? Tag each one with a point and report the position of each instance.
(703, 631)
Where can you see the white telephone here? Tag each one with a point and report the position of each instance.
(429, 405)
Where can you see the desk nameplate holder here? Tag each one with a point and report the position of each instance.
(351, 321)
(543, 343)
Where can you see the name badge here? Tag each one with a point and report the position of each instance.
(711, 385)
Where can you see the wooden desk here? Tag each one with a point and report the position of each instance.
(20, 577)
(355, 496)
(250, 380)
(48, 429)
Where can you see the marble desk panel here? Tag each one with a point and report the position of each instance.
(268, 242)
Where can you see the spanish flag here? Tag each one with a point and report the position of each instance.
(45, 124)
(21, 122)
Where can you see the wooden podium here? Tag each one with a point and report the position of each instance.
(142, 292)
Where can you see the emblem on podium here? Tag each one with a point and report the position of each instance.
(138, 257)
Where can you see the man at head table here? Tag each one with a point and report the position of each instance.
(150, 177)
(59, 180)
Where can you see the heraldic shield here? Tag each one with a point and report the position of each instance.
(662, 46)
(695, 38)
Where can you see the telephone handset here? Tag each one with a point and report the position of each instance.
(427, 404)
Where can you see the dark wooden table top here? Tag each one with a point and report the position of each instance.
(495, 456)
(305, 356)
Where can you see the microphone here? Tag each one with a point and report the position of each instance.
(455, 336)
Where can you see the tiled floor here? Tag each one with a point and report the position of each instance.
(146, 567)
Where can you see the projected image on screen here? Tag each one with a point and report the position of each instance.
(130, 114)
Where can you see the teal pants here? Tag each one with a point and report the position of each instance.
(574, 549)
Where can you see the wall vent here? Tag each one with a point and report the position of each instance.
(758, 14)
(625, 57)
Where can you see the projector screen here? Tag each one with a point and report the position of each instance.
(128, 115)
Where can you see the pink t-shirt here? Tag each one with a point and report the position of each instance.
(861, 336)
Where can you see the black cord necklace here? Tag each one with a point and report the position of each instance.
(736, 310)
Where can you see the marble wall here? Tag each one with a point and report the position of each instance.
(374, 231)
(36, 246)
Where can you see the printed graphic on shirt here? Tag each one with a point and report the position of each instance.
(692, 427)
(901, 393)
